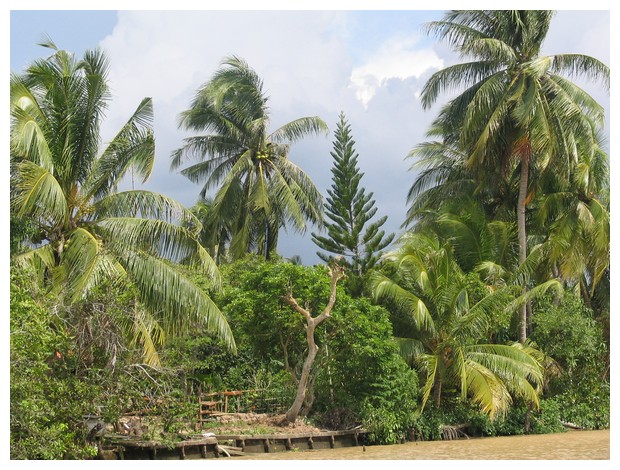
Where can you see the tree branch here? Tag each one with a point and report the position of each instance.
(335, 274)
(289, 299)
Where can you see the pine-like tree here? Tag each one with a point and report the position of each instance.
(350, 209)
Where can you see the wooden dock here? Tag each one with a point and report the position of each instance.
(123, 448)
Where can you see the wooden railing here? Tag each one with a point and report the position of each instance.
(241, 401)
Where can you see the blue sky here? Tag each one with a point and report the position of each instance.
(29, 27)
(370, 64)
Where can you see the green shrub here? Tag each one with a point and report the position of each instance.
(567, 332)
(47, 399)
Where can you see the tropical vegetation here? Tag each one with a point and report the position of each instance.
(84, 231)
(518, 112)
(490, 315)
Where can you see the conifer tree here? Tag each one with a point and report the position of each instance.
(348, 210)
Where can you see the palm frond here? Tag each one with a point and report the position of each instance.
(85, 264)
(486, 389)
(178, 303)
(133, 148)
(575, 65)
(410, 349)
(297, 129)
(456, 77)
(146, 204)
(386, 289)
(38, 194)
(39, 259)
(28, 138)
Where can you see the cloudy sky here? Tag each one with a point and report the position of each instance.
(371, 64)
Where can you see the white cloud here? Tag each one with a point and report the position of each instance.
(167, 55)
(399, 57)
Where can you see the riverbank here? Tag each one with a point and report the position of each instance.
(572, 445)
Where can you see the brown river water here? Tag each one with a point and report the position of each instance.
(572, 445)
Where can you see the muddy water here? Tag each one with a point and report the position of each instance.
(573, 445)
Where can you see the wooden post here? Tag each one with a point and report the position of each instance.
(203, 451)
(266, 445)
(355, 439)
(289, 445)
(153, 453)
(332, 441)
(182, 453)
(310, 443)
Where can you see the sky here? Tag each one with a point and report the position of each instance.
(367, 62)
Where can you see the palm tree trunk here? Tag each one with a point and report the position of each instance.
(437, 390)
(521, 205)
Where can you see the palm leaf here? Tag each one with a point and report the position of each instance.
(38, 194)
(179, 302)
(386, 289)
(132, 147)
(296, 130)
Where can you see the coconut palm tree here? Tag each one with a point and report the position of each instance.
(518, 112)
(572, 217)
(447, 323)
(260, 189)
(87, 231)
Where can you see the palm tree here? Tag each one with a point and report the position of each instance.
(446, 324)
(517, 112)
(572, 217)
(260, 190)
(215, 234)
(86, 231)
(443, 178)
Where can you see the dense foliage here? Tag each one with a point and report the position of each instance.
(490, 317)
(358, 368)
(87, 232)
(567, 331)
(48, 400)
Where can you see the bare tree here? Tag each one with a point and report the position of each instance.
(336, 272)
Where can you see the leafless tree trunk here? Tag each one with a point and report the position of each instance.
(335, 274)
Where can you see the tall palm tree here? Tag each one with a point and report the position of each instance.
(447, 326)
(517, 112)
(87, 231)
(260, 189)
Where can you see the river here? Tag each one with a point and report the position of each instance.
(572, 445)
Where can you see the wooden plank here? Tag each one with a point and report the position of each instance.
(157, 445)
(231, 450)
(303, 435)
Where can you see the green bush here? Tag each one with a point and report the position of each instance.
(567, 332)
(364, 372)
(359, 377)
(47, 399)
(543, 421)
